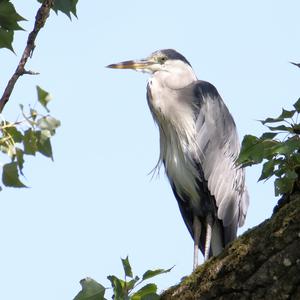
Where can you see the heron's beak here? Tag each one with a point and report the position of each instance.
(132, 64)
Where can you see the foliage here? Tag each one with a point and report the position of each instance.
(122, 289)
(32, 134)
(281, 156)
(68, 7)
(23, 137)
(9, 18)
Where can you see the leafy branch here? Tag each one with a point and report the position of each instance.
(281, 156)
(32, 134)
(40, 20)
(122, 289)
(28, 136)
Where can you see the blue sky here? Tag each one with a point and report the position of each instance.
(96, 202)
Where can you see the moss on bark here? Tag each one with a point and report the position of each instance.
(264, 263)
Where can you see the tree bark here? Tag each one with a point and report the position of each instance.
(264, 263)
(40, 20)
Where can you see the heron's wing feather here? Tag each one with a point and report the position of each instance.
(187, 216)
(218, 148)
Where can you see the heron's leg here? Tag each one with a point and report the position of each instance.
(209, 225)
(197, 233)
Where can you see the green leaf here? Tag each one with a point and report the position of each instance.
(149, 289)
(127, 267)
(151, 273)
(297, 105)
(254, 150)
(118, 286)
(283, 157)
(30, 142)
(268, 169)
(288, 147)
(43, 97)
(20, 159)
(9, 18)
(293, 143)
(132, 282)
(6, 39)
(10, 175)
(248, 143)
(44, 143)
(14, 134)
(286, 114)
(291, 174)
(271, 120)
(295, 160)
(268, 135)
(279, 172)
(65, 6)
(285, 184)
(11, 150)
(280, 128)
(91, 290)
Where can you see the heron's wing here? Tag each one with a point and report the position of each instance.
(218, 148)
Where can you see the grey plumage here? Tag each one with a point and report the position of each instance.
(198, 147)
(220, 184)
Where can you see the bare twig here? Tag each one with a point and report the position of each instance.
(40, 20)
(29, 72)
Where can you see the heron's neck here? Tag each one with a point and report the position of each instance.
(175, 76)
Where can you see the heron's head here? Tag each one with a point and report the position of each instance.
(168, 60)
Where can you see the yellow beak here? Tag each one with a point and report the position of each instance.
(132, 64)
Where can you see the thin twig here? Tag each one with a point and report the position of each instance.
(40, 20)
(296, 64)
(29, 72)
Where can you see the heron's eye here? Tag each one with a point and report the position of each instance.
(162, 59)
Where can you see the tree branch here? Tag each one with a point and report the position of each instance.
(298, 65)
(263, 263)
(40, 20)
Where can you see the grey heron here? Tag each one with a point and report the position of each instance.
(199, 145)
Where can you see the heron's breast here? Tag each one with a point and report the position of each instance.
(181, 172)
(179, 166)
(177, 138)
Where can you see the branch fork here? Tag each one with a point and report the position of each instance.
(40, 20)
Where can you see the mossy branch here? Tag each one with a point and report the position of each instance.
(264, 263)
